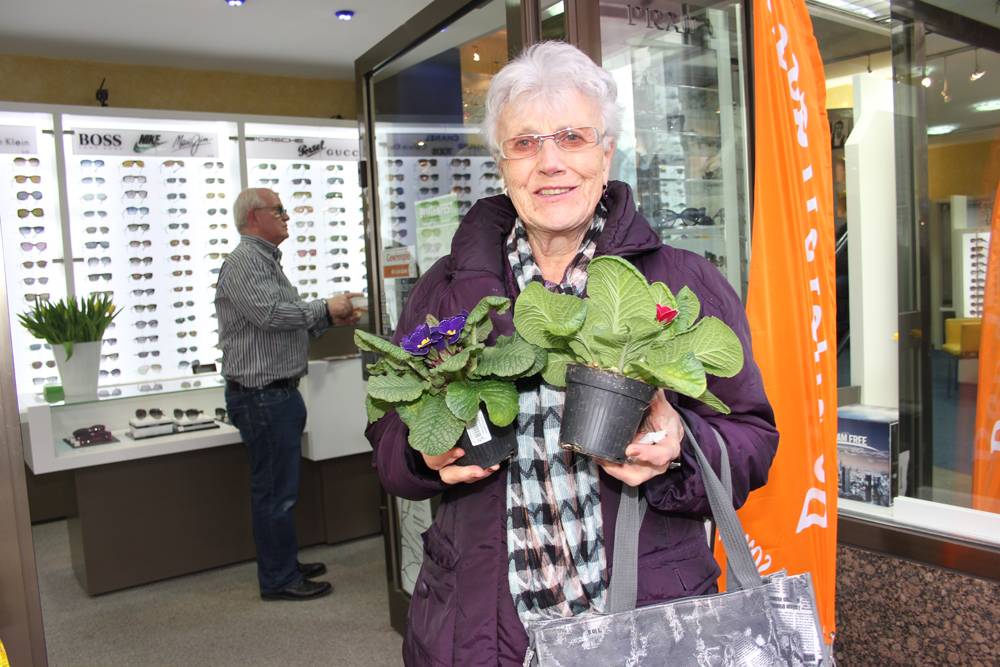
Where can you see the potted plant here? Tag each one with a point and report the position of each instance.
(442, 372)
(74, 328)
(614, 348)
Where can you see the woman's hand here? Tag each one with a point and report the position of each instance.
(452, 474)
(649, 460)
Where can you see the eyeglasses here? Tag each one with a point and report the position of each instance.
(306, 267)
(35, 179)
(147, 353)
(145, 307)
(38, 364)
(428, 177)
(178, 225)
(137, 261)
(185, 334)
(180, 258)
(172, 180)
(184, 288)
(40, 264)
(95, 214)
(216, 255)
(337, 251)
(135, 163)
(215, 179)
(90, 245)
(130, 179)
(23, 195)
(223, 211)
(26, 231)
(141, 276)
(422, 163)
(114, 372)
(335, 181)
(301, 181)
(44, 296)
(190, 413)
(24, 212)
(144, 291)
(147, 339)
(50, 379)
(173, 164)
(340, 265)
(142, 324)
(28, 245)
(138, 227)
(268, 181)
(94, 277)
(302, 238)
(221, 225)
(137, 210)
(302, 194)
(266, 165)
(340, 195)
(151, 387)
(335, 167)
(181, 304)
(138, 244)
(397, 177)
(570, 139)
(301, 166)
(180, 272)
(213, 165)
(110, 357)
(86, 164)
(215, 195)
(97, 261)
(177, 211)
(303, 209)
(176, 195)
(155, 413)
(460, 177)
(155, 368)
(177, 242)
(185, 350)
(304, 223)
(304, 253)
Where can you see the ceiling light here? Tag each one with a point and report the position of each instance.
(926, 81)
(941, 129)
(988, 105)
(475, 56)
(235, 3)
(344, 14)
(977, 73)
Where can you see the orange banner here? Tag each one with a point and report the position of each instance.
(791, 522)
(986, 456)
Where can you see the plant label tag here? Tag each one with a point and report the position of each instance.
(479, 432)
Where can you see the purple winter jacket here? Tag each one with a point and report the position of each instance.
(461, 612)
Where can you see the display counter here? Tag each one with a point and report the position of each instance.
(175, 504)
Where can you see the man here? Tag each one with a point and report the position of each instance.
(264, 333)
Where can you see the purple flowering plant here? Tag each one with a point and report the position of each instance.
(442, 370)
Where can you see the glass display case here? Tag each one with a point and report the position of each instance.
(679, 70)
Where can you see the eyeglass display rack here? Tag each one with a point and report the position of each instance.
(681, 139)
(973, 248)
(140, 207)
(428, 178)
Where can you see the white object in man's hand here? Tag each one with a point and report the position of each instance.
(341, 310)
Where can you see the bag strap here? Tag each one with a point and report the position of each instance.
(741, 571)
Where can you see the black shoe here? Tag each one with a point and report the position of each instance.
(312, 570)
(304, 590)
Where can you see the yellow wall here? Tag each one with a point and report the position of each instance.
(971, 169)
(49, 81)
(840, 97)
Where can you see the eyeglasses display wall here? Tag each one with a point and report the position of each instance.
(144, 208)
(428, 178)
(975, 252)
(317, 180)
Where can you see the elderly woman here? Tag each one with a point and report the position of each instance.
(531, 539)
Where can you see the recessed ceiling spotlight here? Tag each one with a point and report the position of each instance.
(236, 3)
(988, 105)
(941, 129)
(344, 14)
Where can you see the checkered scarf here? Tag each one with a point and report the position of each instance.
(555, 542)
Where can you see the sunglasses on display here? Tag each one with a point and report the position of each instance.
(185, 350)
(267, 165)
(154, 413)
(39, 364)
(27, 231)
(306, 267)
(142, 324)
(301, 181)
(23, 195)
(28, 245)
(423, 163)
(137, 194)
(48, 380)
(110, 357)
(138, 244)
(92, 196)
(339, 279)
(489, 164)
(335, 167)
(176, 211)
(178, 225)
(301, 166)
(217, 255)
(213, 165)
(176, 195)
(141, 276)
(493, 191)
(302, 195)
(149, 368)
(308, 281)
(338, 237)
(399, 177)
(215, 179)
(215, 195)
(94, 230)
(98, 261)
(184, 288)
(114, 372)
(304, 223)
(108, 293)
(138, 227)
(393, 191)
(40, 264)
(180, 258)
(41, 281)
(182, 304)
(397, 205)
(335, 181)
(96, 214)
(171, 181)
(91, 164)
(172, 164)
(94, 277)
(335, 251)
(144, 308)
(131, 179)
(139, 261)
(44, 296)
(299, 209)
(35, 179)
(185, 334)
(340, 265)
(176, 242)
(182, 272)
(138, 164)
(91, 245)
(223, 211)
(25, 212)
(461, 177)
(337, 223)
(304, 253)
(221, 225)
(218, 241)
(26, 161)
(35, 347)
(489, 176)
(151, 387)
(336, 209)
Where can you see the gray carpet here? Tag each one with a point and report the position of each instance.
(216, 618)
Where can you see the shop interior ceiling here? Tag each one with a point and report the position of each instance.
(301, 38)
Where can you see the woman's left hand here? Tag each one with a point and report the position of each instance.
(649, 460)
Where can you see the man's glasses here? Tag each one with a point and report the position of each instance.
(570, 139)
(279, 211)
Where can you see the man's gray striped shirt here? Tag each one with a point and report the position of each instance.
(263, 325)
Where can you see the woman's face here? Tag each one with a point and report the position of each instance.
(555, 191)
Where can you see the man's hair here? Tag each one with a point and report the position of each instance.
(546, 71)
(247, 201)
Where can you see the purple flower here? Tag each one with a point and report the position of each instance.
(451, 328)
(420, 341)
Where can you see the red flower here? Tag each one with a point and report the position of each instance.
(665, 314)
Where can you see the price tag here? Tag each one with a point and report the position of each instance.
(479, 432)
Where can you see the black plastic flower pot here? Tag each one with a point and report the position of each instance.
(500, 447)
(602, 413)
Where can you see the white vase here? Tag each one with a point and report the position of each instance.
(79, 373)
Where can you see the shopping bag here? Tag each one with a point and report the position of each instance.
(760, 621)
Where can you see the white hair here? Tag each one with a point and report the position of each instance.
(545, 71)
(247, 201)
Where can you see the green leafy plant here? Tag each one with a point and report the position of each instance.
(443, 370)
(70, 320)
(628, 326)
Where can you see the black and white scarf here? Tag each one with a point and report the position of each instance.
(555, 542)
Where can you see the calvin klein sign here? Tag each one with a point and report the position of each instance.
(303, 148)
(18, 139)
(153, 143)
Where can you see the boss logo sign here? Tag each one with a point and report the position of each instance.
(101, 140)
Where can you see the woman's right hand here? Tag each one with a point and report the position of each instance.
(453, 474)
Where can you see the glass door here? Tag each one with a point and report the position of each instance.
(426, 164)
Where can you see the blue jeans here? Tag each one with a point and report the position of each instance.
(271, 422)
